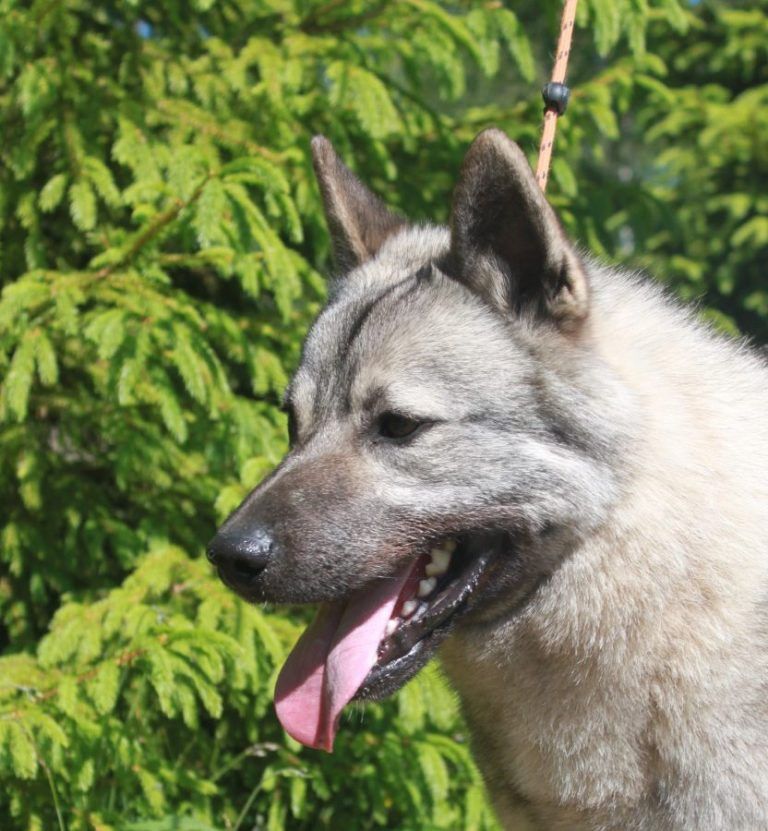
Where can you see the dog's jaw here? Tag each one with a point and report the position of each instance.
(367, 646)
(415, 635)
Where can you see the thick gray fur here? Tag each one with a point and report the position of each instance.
(616, 675)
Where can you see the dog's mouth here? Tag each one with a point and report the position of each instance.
(437, 592)
(369, 645)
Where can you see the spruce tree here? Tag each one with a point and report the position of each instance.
(162, 251)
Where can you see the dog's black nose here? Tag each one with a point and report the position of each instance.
(240, 558)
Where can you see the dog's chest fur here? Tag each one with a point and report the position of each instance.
(615, 731)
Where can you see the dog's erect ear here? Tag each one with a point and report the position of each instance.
(358, 221)
(507, 243)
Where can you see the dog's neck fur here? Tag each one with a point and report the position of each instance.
(586, 705)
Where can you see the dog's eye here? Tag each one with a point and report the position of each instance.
(397, 426)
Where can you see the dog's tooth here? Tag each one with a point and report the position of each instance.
(449, 545)
(426, 587)
(391, 627)
(409, 607)
(420, 611)
(441, 559)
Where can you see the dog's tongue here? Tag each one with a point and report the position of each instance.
(331, 660)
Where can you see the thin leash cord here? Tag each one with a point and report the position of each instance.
(555, 93)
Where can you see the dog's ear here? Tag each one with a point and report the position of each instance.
(358, 221)
(507, 243)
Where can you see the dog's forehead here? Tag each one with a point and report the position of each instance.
(403, 255)
(411, 333)
(430, 333)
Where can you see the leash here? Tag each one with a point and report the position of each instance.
(555, 93)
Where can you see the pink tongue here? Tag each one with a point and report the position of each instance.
(331, 660)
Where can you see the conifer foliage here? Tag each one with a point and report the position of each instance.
(161, 250)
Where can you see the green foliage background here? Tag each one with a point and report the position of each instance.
(161, 251)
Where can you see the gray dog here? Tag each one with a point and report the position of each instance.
(552, 472)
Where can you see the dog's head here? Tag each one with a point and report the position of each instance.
(451, 434)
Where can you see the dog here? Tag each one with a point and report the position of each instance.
(550, 472)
